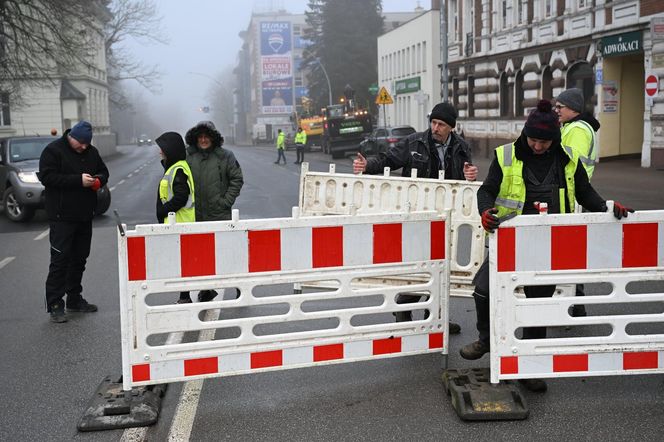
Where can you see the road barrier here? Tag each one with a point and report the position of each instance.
(269, 327)
(624, 330)
(338, 193)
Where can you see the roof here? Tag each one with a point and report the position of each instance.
(69, 91)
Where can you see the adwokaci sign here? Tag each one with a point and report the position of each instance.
(622, 44)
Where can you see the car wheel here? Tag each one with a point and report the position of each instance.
(14, 210)
(103, 200)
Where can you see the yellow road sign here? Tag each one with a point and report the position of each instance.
(384, 97)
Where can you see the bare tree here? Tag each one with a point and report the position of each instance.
(44, 39)
(138, 20)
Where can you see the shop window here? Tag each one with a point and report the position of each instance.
(581, 76)
(518, 94)
(547, 90)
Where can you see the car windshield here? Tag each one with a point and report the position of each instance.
(403, 131)
(23, 150)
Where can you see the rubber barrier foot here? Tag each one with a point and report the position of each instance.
(112, 408)
(474, 398)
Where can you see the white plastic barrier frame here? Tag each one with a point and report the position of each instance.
(567, 249)
(339, 193)
(251, 253)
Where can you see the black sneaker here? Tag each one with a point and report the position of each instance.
(455, 328)
(82, 306)
(535, 385)
(474, 350)
(58, 314)
(206, 295)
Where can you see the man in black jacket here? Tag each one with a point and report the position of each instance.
(72, 171)
(438, 148)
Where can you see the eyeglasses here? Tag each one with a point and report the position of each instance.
(560, 106)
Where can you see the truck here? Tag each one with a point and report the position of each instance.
(313, 127)
(344, 128)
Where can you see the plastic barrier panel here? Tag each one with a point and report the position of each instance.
(623, 332)
(269, 327)
(339, 193)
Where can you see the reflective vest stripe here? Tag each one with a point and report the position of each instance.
(186, 213)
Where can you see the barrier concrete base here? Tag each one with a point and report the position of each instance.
(111, 408)
(474, 398)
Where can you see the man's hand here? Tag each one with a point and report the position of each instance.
(87, 180)
(359, 164)
(620, 211)
(470, 171)
(490, 221)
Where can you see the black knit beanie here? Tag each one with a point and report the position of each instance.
(542, 123)
(445, 112)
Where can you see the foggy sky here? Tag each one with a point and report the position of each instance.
(203, 38)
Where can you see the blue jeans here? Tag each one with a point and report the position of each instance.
(280, 155)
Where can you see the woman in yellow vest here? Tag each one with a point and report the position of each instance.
(176, 188)
(534, 168)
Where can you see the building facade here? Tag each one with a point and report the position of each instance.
(504, 55)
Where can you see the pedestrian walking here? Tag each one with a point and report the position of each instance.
(437, 148)
(217, 175)
(176, 192)
(300, 144)
(71, 170)
(281, 145)
(536, 167)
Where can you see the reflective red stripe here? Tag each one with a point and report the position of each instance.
(437, 235)
(264, 250)
(387, 243)
(569, 247)
(506, 249)
(386, 346)
(197, 254)
(640, 245)
(640, 360)
(328, 352)
(194, 367)
(436, 340)
(327, 245)
(564, 363)
(509, 365)
(267, 359)
(136, 267)
(140, 373)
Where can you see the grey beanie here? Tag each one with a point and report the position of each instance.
(82, 132)
(444, 112)
(572, 98)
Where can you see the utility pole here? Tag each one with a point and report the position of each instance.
(443, 50)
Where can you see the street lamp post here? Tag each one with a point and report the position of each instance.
(329, 87)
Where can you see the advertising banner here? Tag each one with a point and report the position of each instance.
(276, 67)
(277, 96)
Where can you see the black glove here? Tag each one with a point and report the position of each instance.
(490, 221)
(620, 211)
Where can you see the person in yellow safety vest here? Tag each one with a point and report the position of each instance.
(281, 145)
(534, 168)
(300, 143)
(578, 132)
(176, 188)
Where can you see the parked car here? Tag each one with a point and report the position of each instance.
(383, 138)
(144, 139)
(21, 191)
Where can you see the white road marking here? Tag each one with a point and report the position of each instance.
(120, 182)
(185, 413)
(42, 235)
(6, 261)
(112, 189)
(130, 175)
(137, 170)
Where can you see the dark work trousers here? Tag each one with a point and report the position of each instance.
(299, 149)
(70, 247)
(481, 296)
(280, 155)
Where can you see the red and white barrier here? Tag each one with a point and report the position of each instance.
(161, 260)
(569, 249)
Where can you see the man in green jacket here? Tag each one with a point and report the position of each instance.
(300, 143)
(281, 145)
(217, 175)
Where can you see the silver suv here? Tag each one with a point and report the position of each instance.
(21, 191)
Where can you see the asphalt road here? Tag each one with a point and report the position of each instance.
(50, 371)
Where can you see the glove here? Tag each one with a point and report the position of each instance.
(620, 211)
(489, 221)
(96, 185)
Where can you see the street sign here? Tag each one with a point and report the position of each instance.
(599, 75)
(384, 97)
(373, 89)
(652, 85)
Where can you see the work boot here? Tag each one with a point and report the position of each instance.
(206, 295)
(578, 310)
(276, 162)
(81, 306)
(57, 312)
(454, 328)
(183, 301)
(534, 385)
(474, 350)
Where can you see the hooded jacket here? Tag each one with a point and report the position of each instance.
(60, 170)
(582, 138)
(418, 151)
(217, 174)
(174, 151)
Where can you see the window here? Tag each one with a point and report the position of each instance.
(548, 8)
(519, 12)
(5, 119)
(419, 57)
(582, 4)
(424, 56)
(454, 20)
(503, 11)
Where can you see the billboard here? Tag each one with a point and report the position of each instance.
(276, 67)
